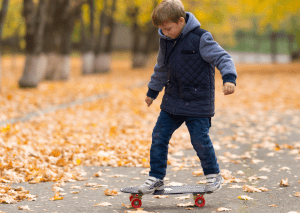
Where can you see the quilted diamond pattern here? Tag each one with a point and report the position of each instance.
(191, 87)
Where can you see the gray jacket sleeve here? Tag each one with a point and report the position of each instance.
(159, 77)
(214, 54)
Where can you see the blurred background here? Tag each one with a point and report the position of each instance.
(40, 38)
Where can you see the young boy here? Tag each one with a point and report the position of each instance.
(185, 66)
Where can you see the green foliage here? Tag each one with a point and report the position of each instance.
(221, 17)
(14, 24)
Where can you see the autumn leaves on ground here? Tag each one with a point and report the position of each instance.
(115, 130)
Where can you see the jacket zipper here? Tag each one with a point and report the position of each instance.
(167, 59)
(175, 74)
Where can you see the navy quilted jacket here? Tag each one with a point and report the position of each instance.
(186, 68)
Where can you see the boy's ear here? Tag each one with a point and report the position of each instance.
(181, 20)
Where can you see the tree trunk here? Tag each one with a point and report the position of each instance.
(111, 26)
(137, 33)
(140, 59)
(88, 55)
(141, 54)
(102, 60)
(3, 13)
(49, 47)
(274, 51)
(60, 47)
(36, 62)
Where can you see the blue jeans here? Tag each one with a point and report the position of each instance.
(198, 128)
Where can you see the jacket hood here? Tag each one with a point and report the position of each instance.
(191, 23)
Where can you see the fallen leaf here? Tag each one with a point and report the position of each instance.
(109, 192)
(284, 168)
(271, 154)
(185, 204)
(127, 206)
(24, 207)
(247, 188)
(256, 161)
(91, 184)
(240, 172)
(117, 175)
(235, 187)
(263, 177)
(160, 196)
(56, 197)
(183, 197)
(264, 169)
(297, 194)
(222, 209)
(263, 189)
(284, 183)
(103, 204)
(245, 197)
(136, 178)
(198, 173)
(97, 174)
(273, 205)
(75, 187)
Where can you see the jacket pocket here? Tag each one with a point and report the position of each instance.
(188, 52)
(192, 93)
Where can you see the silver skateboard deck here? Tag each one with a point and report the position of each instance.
(169, 190)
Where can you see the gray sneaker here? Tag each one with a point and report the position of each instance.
(214, 182)
(151, 185)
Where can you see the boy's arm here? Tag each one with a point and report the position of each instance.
(214, 54)
(158, 79)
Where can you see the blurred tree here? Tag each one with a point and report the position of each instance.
(102, 60)
(141, 50)
(137, 15)
(54, 40)
(96, 53)
(14, 28)
(58, 45)
(35, 64)
(219, 17)
(105, 59)
(3, 13)
(275, 16)
(87, 38)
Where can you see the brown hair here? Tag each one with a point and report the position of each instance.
(168, 11)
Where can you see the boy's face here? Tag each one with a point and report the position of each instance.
(172, 29)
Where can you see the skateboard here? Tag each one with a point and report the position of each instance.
(198, 191)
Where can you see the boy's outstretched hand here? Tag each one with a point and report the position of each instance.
(228, 88)
(149, 101)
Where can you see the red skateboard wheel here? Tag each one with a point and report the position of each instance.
(130, 197)
(136, 203)
(200, 201)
